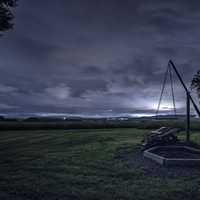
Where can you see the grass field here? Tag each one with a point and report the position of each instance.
(87, 164)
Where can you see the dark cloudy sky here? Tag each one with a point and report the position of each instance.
(96, 56)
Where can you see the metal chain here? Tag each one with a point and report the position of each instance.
(169, 70)
(162, 91)
(172, 88)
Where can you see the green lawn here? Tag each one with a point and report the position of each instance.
(85, 164)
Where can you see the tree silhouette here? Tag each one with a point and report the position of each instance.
(6, 15)
(196, 83)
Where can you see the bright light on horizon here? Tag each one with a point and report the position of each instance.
(166, 106)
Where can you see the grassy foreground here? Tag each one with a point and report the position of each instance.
(83, 164)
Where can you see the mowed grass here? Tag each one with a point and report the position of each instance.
(83, 164)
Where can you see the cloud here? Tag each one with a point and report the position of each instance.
(7, 89)
(60, 92)
(7, 107)
(92, 56)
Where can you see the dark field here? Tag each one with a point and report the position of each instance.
(88, 164)
(42, 124)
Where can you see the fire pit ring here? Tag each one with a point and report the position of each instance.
(174, 155)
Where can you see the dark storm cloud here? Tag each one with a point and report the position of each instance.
(92, 70)
(96, 56)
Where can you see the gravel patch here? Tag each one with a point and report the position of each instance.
(134, 159)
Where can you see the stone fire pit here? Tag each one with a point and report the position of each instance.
(174, 155)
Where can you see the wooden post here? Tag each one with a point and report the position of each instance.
(188, 118)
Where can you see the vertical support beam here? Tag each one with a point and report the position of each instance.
(188, 118)
(184, 86)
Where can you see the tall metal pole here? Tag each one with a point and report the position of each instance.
(188, 117)
(184, 86)
(189, 98)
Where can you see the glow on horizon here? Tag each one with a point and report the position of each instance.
(142, 115)
(165, 106)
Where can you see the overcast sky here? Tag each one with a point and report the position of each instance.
(97, 56)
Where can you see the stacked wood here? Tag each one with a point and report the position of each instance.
(161, 136)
